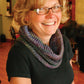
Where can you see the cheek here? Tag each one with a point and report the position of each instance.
(36, 19)
(39, 18)
(59, 16)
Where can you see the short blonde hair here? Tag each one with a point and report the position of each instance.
(22, 7)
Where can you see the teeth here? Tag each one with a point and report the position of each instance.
(51, 23)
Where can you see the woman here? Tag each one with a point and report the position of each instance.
(41, 55)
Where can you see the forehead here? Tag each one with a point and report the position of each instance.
(44, 3)
(50, 3)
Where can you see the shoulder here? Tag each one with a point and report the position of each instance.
(19, 52)
(19, 48)
(18, 62)
(67, 47)
(66, 42)
(65, 39)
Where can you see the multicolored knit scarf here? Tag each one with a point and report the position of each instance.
(51, 56)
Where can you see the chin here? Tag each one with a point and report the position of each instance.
(51, 33)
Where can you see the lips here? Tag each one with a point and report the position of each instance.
(49, 23)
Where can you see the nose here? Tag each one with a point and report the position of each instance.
(50, 10)
(50, 14)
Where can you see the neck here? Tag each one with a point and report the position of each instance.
(45, 39)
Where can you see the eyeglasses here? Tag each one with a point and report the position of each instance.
(41, 11)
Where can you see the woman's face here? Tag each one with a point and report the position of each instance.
(46, 24)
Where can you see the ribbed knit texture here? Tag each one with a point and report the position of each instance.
(50, 56)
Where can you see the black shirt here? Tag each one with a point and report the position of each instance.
(22, 63)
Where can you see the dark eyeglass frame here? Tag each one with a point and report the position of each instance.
(46, 10)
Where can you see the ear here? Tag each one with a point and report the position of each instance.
(26, 18)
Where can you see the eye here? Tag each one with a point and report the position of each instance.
(41, 8)
(57, 7)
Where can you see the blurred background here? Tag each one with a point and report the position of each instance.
(73, 29)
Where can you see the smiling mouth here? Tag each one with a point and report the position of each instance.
(48, 24)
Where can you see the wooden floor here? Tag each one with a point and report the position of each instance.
(4, 49)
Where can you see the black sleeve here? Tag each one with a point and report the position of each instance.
(18, 63)
(68, 47)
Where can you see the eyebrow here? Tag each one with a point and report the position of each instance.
(48, 7)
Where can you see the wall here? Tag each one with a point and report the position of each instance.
(0, 18)
(13, 2)
(6, 21)
(0, 6)
(0, 24)
(79, 13)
